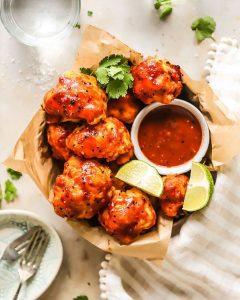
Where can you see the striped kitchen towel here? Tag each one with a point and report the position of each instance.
(203, 261)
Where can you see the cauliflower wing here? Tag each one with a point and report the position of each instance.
(156, 81)
(171, 201)
(127, 215)
(56, 135)
(84, 187)
(124, 109)
(108, 139)
(76, 97)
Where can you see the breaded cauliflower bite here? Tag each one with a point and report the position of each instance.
(124, 109)
(56, 135)
(171, 201)
(108, 140)
(76, 97)
(83, 189)
(127, 215)
(156, 80)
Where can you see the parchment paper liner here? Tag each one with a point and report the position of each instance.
(31, 154)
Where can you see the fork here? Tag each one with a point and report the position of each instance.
(17, 247)
(31, 259)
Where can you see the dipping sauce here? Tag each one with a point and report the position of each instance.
(170, 135)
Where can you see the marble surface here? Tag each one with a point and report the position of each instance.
(25, 74)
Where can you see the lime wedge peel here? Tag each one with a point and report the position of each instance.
(200, 188)
(143, 176)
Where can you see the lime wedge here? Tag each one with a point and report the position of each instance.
(200, 188)
(140, 174)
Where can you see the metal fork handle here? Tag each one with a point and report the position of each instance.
(18, 290)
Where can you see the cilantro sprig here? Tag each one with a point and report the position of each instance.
(87, 71)
(77, 25)
(15, 175)
(1, 196)
(204, 28)
(90, 13)
(113, 74)
(81, 297)
(164, 7)
(10, 192)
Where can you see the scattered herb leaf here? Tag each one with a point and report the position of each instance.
(165, 7)
(204, 28)
(114, 74)
(90, 13)
(10, 191)
(166, 11)
(157, 4)
(82, 297)
(1, 196)
(15, 175)
(77, 25)
(86, 71)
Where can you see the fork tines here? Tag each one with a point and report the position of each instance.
(35, 250)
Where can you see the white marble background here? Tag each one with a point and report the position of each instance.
(25, 73)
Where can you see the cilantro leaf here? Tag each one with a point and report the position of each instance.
(157, 4)
(77, 25)
(123, 69)
(111, 60)
(10, 191)
(119, 76)
(166, 11)
(15, 175)
(102, 75)
(1, 196)
(90, 13)
(128, 79)
(204, 28)
(165, 7)
(82, 297)
(117, 88)
(86, 71)
(114, 74)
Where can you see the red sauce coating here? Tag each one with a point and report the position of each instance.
(170, 136)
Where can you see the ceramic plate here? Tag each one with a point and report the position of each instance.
(14, 223)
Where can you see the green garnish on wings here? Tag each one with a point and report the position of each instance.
(87, 71)
(114, 74)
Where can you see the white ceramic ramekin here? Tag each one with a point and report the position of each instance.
(176, 169)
